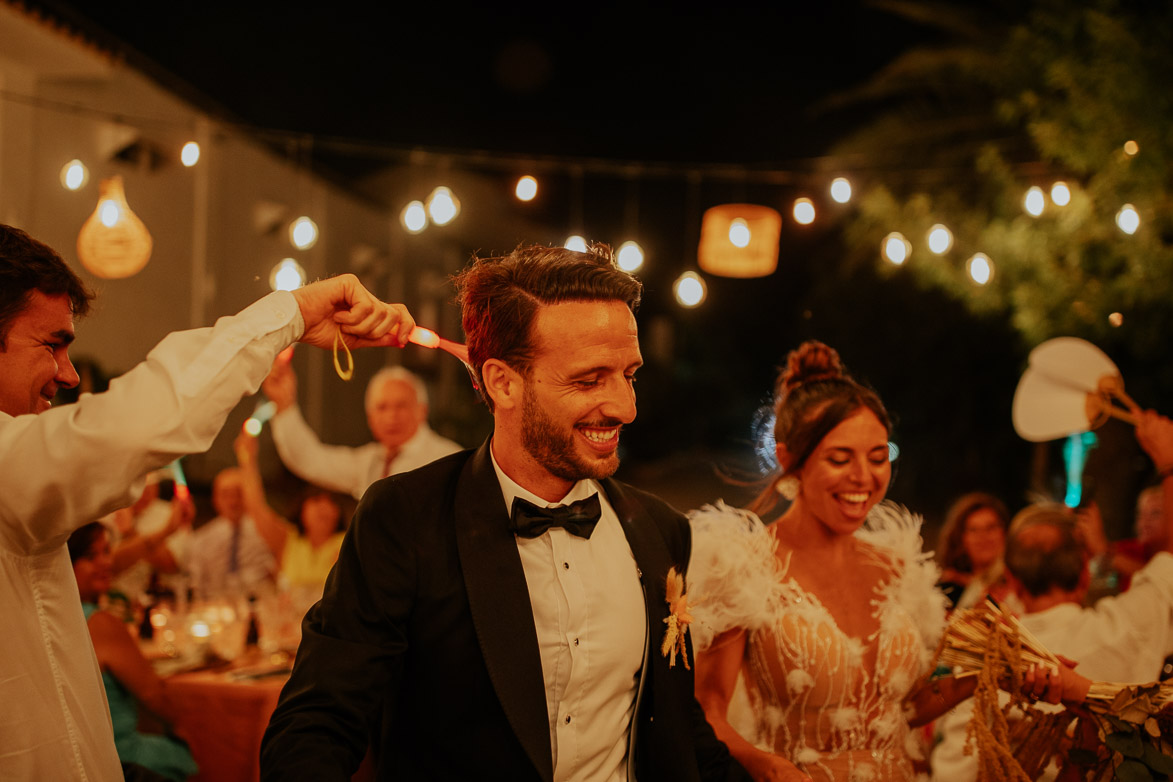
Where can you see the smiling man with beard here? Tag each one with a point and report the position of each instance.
(468, 631)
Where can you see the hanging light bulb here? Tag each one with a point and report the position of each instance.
(841, 190)
(1034, 201)
(980, 268)
(1131, 147)
(689, 289)
(287, 275)
(804, 211)
(414, 217)
(896, 248)
(630, 256)
(1060, 194)
(303, 233)
(1128, 219)
(443, 206)
(739, 233)
(576, 243)
(526, 189)
(74, 175)
(113, 242)
(1116, 319)
(940, 239)
(190, 154)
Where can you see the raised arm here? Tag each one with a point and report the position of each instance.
(1154, 432)
(81, 461)
(147, 546)
(273, 529)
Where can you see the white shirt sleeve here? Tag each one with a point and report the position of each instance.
(1130, 634)
(336, 467)
(75, 463)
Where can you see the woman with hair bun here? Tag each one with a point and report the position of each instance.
(829, 615)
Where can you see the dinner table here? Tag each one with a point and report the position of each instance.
(224, 683)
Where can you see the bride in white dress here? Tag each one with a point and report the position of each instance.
(828, 616)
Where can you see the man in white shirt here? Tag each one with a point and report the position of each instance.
(1122, 639)
(466, 640)
(228, 556)
(60, 469)
(397, 412)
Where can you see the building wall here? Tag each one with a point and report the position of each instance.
(218, 228)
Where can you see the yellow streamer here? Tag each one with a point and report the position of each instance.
(348, 373)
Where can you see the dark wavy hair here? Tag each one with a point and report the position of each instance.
(950, 549)
(812, 396)
(27, 265)
(499, 298)
(82, 539)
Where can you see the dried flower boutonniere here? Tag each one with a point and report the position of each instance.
(678, 620)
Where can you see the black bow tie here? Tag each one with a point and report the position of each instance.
(578, 518)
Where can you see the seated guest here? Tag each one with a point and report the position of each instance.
(228, 554)
(1116, 562)
(129, 679)
(970, 550)
(307, 552)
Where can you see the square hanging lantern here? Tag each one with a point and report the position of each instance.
(739, 240)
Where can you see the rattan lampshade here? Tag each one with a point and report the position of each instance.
(113, 242)
(719, 254)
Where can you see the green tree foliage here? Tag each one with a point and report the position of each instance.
(1026, 95)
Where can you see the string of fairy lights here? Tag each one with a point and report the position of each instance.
(728, 236)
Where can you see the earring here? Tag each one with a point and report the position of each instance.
(788, 486)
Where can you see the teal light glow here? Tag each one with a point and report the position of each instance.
(1075, 451)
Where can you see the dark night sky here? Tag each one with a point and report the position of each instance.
(683, 81)
(685, 84)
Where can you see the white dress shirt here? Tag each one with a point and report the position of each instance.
(210, 555)
(345, 469)
(1122, 639)
(591, 623)
(74, 464)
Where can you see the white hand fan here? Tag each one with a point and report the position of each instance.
(1069, 386)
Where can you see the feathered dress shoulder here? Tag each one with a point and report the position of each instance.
(829, 702)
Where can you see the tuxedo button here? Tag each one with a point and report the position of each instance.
(566, 565)
(567, 719)
(576, 642)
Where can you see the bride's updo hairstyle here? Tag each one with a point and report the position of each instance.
(812, 396)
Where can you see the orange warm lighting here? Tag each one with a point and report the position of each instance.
(424, 337)
(755, 254)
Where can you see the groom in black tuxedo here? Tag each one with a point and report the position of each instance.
(486, 636)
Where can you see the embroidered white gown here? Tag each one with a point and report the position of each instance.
(830, 703)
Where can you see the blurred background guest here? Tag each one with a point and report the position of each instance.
(1115, 562)
(305, 552)
(397, 412)
(970, 550)
(149, 539)
(131, 684)
(228, 555)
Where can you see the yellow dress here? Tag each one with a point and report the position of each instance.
(830, 703)
(304, 565)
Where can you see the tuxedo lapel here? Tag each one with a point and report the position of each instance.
(499, 601)
(647, 546)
